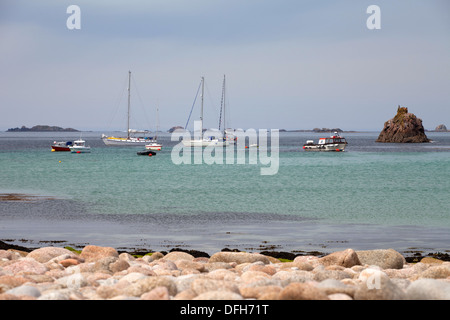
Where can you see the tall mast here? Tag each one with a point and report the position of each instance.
(201, 112)
(224, 123)
(157, 121)
(129, 88)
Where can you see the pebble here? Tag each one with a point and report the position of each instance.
(101, 273)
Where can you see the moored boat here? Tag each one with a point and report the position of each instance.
(61, 145)
(333, 143)
(204, 141)
(79, 146)
(130, 139)
(146, 153)
(153, 146)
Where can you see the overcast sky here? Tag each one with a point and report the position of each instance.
(289, 64)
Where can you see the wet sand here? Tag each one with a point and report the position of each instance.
(32, 222)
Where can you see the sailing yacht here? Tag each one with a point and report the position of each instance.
(228, 136)
(203, 141)
(131, 139)
(154, 145)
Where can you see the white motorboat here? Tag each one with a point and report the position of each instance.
(79, 146)
(155, 146)
(333, 143)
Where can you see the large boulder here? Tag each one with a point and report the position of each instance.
(405, 127)
(385, 259)
(93, 253)
(238, 257)
(302, 291)
(428, 289)
(347, 258)
(47, 253)
(25, 266)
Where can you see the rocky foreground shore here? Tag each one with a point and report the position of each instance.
(102, 273)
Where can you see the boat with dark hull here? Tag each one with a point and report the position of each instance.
(146, 153)
(61, 146)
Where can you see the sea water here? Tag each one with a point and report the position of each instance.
(373, 195)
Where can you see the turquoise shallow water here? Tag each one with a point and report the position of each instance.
(372, 195)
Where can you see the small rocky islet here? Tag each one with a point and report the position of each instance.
(405, 127)
(102, 273)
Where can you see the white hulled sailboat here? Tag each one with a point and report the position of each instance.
(203, 141)
(131, 139)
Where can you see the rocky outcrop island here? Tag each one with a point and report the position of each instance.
(405, 127)
(175, 128)
(441, 128)
(42, 128)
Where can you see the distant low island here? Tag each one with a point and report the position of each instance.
(41, 128)
(320, 130)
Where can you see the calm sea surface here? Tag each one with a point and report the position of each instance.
(371, 196)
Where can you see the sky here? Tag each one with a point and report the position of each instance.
(289, 64)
